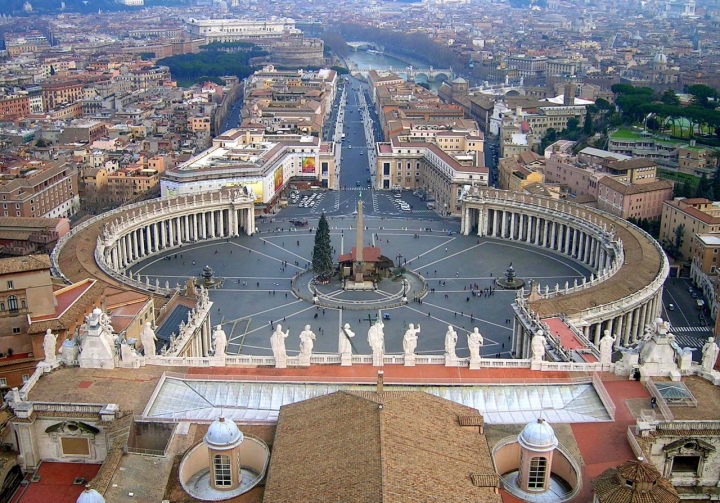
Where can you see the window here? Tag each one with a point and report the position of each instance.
(25, 377)
(222, 470)
(10, 285)
(16, 330)
(536, 473)
(12, 304)
(685, 464)
(3, 381)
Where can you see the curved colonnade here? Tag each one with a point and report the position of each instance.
(137, 232)
(629, 266)
(622, 295)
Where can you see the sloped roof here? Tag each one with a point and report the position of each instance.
(24, 264)
(609, 488)
(378, 447)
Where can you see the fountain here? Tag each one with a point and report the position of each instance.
(510, 281)
(207, 279)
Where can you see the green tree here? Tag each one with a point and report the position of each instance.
(588, 125)
(572, 123)
(668, 97)
(52, 70)
(322, 261)
(704, 188)
(701, 95)
(678, 242)
(716, 175)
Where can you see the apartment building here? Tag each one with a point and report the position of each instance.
(39, 189)
(517, 172)
(128, 183)
(527, 66)
(57, 93)
(698, 216)
(633, 200)
(16, 105)
(424, 165)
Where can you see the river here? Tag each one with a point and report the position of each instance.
(374, 61)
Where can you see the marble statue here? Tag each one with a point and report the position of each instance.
(450, 342)
(410, 339)
(277, 342)
(147, 339)
(710, 353)
(538, 346)
(606, 347)
(475, 340)
(50, 347)
(344, 346)
(306, 341)
(376, 337)
(219, 341)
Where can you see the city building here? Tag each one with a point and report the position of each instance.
(38, 189)
(516, 173)
(28, 235)
(697, 216)
(247, 156)
(633, 200)
(443, 166)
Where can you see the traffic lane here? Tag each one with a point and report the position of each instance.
(686, 313)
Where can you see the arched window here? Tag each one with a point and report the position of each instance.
(12, 304)
(222, 470)
(536, 473)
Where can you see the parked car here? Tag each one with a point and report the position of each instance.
(671, 307)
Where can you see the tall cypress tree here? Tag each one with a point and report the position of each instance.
(322, 261)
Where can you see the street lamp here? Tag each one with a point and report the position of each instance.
(398, 257)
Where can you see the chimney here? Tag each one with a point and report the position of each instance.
(380, 381)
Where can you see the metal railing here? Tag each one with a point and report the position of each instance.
(634, 444)
(661, 403)
(604, 395)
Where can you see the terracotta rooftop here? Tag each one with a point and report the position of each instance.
(371, 447)
(635, 188)
(610, 489)
(24, 264)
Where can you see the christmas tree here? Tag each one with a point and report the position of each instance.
(322, 260)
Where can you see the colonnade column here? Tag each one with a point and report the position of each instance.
(618, 329)
(222, 224)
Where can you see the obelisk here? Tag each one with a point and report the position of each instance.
(358, 270)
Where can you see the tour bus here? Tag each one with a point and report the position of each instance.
(343, 136)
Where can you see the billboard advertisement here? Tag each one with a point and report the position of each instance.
(255, 186)
(278, 178)
(308, 165)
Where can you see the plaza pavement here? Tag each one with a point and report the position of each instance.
(257, 295)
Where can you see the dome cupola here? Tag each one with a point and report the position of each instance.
(538, 436)
(223, 434)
